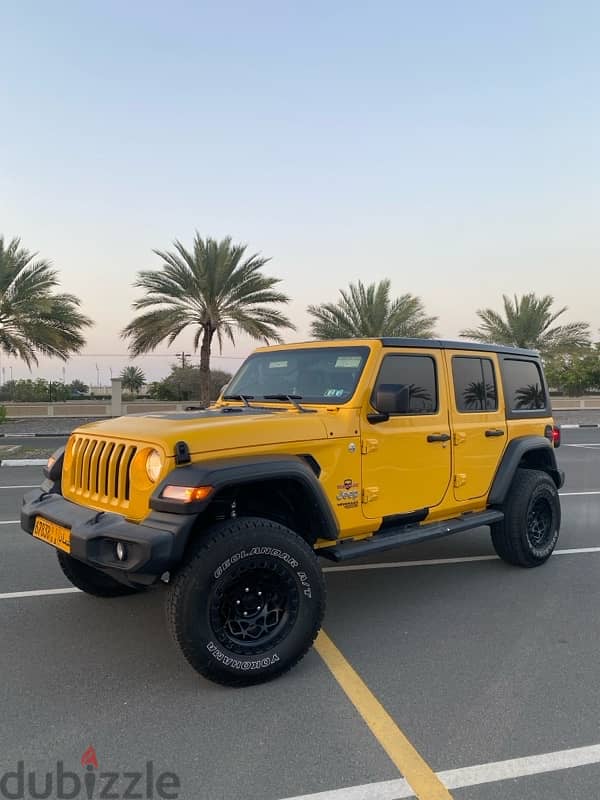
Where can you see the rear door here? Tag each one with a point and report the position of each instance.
(478, 421)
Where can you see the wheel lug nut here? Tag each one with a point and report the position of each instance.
(258, 608)
(259, 594)
(247, 589)
(237, 602)
(245, 613)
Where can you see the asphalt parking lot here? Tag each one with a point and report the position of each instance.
(475, 663)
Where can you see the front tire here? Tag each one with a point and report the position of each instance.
(92, 581)
(529, 531)
(248, 603)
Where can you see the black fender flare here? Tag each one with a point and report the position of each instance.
(225, 472)
(536, 451)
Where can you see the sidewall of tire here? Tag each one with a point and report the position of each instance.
(189, 602)
(510, 537)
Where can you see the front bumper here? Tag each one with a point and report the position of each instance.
(153, 546)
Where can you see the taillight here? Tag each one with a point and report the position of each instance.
(552, 433)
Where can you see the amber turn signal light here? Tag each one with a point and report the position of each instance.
(186, 494)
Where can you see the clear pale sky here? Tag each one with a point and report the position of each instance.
(452, 146)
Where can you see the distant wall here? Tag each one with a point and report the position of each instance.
(575, 403)
(88, 408)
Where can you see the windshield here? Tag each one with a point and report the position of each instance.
(315, 375)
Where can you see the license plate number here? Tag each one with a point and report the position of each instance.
(53, 534)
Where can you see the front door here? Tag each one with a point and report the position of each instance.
(406, 461)
(478, 421)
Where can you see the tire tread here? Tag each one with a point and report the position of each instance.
(507, 536)
(92, 581)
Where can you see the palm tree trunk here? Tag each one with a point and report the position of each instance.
(205, 366)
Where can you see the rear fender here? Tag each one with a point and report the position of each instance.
(533, 452)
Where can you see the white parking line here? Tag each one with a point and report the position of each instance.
(468, 776)
(23, 462)
(23, 486)
(433, 562)
(577, 494)
(10, 521)
(37, 593)
(437, 562)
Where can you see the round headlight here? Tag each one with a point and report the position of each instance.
(153, 465)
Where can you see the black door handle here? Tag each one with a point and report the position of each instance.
(496, 432)
(438, 437)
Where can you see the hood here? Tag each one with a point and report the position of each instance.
(215, 429)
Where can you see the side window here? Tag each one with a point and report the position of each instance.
(474, 384)
(406, 385)
(523, 385)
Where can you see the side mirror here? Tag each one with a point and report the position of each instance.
(385, 401)
(377, 417)
(388, 399)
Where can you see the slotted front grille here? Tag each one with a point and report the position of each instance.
(99, 470)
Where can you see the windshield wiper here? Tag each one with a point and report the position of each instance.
(291, 398)
(243, 397)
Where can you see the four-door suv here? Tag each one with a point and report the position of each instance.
(336, 449)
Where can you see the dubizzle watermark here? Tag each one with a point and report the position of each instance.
(90, 784)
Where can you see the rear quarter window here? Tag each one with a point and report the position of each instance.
(524, 387)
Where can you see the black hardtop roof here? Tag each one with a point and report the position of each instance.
(446, 344)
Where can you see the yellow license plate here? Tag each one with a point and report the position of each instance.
(53, 534)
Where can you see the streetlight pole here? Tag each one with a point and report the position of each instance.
(183, 357)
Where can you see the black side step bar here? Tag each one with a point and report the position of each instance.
(409, 534)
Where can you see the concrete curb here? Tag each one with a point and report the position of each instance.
(23, 462)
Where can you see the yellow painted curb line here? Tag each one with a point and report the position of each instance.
(422, 779)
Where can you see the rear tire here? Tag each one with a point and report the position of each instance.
(92, 581)
(529, 531)
(249, 602)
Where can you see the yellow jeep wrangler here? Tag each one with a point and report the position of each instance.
(336, 449)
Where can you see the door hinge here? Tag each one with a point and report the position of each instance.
(460, 437)
(370, 493)
(369, 446)
(460, 479)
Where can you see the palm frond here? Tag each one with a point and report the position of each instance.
(527, 322)
(33, 318)
(367, 311)
(213, 288)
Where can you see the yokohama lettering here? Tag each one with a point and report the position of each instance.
(234, 663)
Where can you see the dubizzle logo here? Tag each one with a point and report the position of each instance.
(89, 758)
(20, 784)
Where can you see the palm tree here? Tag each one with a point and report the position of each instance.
(529, 322)
(33, 319)
(368, 311)
(215, 289)
(132, 379)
